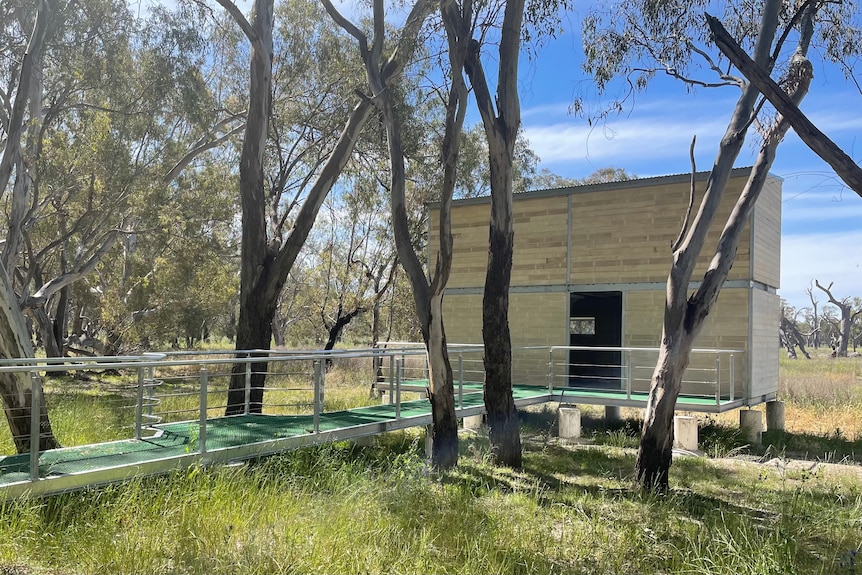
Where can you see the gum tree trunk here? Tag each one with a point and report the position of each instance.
(427, 296)
(501, 130)
(656, 447)
(265, 266)
(684, 316)
(16, 388)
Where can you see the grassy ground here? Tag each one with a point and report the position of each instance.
(340, 509)
(572, 509)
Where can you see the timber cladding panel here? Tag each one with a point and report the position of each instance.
(541, 232)
(767, 235)
(534, 319)
(725, 328)
(765, 311)
(625, 235)
(616, 237)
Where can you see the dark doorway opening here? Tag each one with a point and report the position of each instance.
(595, 320)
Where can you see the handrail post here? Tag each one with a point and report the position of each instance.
(551, 370)
(316, 401)
(460, 380)
(392, 362)
(150, 382)
(139, 407)
(732, 379)
(629, 374)
(398, 369)
(718, 379)
(35, 425)
(247, 388)
(322, 384)
(202, 422)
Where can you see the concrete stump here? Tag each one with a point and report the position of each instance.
(751, 425)
(775, 416)
(364, 441)
(429, 441)
(613, 413)
(570, 422)
(473, 422)
(685, 432)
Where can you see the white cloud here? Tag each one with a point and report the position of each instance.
(625, 141)
(828, 257)
(818, 207)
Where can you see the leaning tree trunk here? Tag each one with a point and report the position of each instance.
(378, 74)
(16, 388)
(656, 447)
(684, 316)
(444, 453)
(342, 320)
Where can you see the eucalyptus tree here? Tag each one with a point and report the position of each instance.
(845, 166)
(358, 261)
(181, 266)
(26, 33)
(501, 117)
(849, 311)
(637, 40)
(474, 177)
(427, 292)
(100, 94)
(281, 193)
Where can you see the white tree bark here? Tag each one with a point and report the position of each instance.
(684, 316)
(16, 389)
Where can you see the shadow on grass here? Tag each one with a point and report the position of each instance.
(558, 476)
(833, 447)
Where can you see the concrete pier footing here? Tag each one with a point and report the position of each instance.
(751, 425)
(775, 416)
(570, 422)
(685, 432)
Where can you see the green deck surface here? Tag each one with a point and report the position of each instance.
(178, 439)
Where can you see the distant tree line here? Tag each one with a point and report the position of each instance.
(831, 322)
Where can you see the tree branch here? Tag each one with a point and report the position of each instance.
(347, 25)
(844, 166)
(684, 227)
(200, 147)
(243, 23)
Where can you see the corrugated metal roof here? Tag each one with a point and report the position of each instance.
(742, 172)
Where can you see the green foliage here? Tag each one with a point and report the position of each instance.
(474, 178)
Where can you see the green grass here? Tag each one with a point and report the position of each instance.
(342, 509)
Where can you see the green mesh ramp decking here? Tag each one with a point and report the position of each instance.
(178, 444)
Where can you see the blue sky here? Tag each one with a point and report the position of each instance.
(821, 219)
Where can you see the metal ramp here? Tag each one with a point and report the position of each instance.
(158, 441)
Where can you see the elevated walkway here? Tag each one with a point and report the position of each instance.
(175, 446)
(172, 403)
